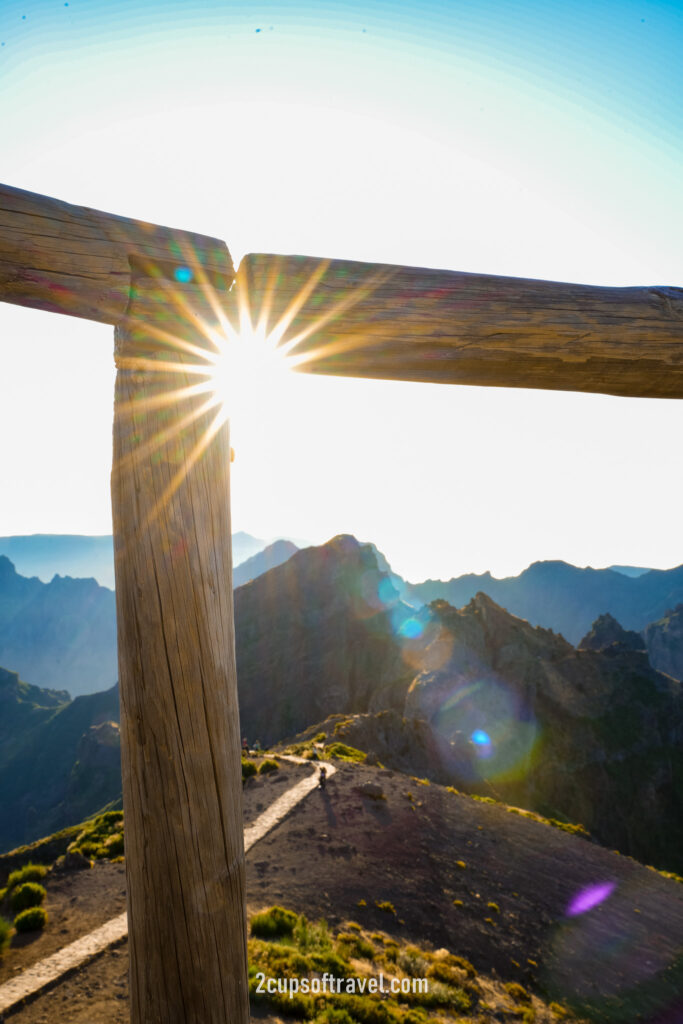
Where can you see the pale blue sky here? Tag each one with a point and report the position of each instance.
(539, 140)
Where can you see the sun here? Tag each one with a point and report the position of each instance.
(248, 373)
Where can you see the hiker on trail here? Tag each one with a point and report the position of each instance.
(322, 779)
(245, 745)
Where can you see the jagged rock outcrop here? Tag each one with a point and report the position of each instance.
(606, 633)
(62, 762)
(95, 778)
(407, 745)
(664, 640)
(591, 736)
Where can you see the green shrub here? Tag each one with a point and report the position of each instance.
(368, 1010)
(391, 951)
(29, 873)
(96, 837)
(29, 894)
(462, 964)
(330, 962)
(32, 920)
(352, 944)
(412, 962)
(115, 846)
(384, 905)
(273, 923)
(334, 1015)
(248, 769)
(345, 753)
(559, 1010)
(269, 765)
(438, 995)
(91, 849)
(301, 1006)
(311, 937)
(517, 992)
(445, 972)
(5, 933)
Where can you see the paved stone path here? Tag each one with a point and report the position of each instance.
(46, 972)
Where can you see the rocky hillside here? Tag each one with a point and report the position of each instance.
(59, 759)
(664, 640)
(590, 736)
(318, 634)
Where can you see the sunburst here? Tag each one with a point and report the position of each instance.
(240, 362)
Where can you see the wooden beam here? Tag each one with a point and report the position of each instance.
(74, 260)
(182, 781)
(407, 323)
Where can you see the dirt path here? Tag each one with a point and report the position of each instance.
(47, 971)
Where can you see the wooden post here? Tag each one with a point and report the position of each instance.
(179, 715)
(182, 780)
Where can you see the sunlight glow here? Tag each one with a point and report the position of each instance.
(249, 372)
(240, 372)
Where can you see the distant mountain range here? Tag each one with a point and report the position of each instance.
(474, 697)
(62, 634)
(45, 555)
(268, 558)
(563, 597)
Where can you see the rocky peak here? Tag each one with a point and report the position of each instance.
(606, 632)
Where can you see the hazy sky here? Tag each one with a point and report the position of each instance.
(523, 138)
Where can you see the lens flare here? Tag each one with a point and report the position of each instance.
(489, 717)
(624, 954)
(411, 629)
(590, 897)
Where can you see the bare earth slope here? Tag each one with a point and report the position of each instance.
(485, 883)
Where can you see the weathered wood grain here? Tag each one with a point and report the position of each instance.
(179, 716)
(407, 323)
(74, 260)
